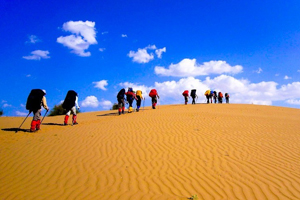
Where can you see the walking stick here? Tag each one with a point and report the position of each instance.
(144, 104)
(44, 116)
(23, 122)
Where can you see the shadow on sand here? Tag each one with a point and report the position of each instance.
(108, 114)
(15, 129)
(52, 124)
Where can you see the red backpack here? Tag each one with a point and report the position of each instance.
(220, 94)
(185, 93)
(153, 93)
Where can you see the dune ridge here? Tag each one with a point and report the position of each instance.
(216, 151)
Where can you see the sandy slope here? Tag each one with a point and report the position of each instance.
(214, 151)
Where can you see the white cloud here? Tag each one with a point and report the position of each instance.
(90, 101)
(287, 77)
(258, 71)
(101, 49)
(123, 35)
(160, 51)
(83, 35)
(101, 84)
(37, 55)
(28, 75)
(6, 105)
(18, 113)
(142, 55)
(189, 67)
(293, 101)
(33, 39)
(240, 90)
(298, 70)
(106, 104)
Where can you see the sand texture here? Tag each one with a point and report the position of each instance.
(214, 151)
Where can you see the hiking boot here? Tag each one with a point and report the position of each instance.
(65, 124)
(137, 110)
(75, 123)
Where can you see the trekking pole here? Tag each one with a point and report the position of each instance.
(144, 104)
(44, 116)
(23, 122)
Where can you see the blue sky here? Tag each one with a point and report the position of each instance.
(250, 49)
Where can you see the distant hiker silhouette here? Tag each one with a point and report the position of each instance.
(220, 97)
(193, 95)
(186, 96)
(121, 101)
(227, 97)
(139, 97)
(208, 94)
(154, 96)
(70, 103)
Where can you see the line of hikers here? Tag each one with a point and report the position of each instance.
(36, 100)
(210, 95)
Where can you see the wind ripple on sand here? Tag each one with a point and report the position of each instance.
(173, 152)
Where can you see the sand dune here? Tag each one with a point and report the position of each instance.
(214, 151)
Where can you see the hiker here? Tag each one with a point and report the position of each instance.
(227, 97)
(121, 101)
(193, 95)
(154, 95)
(208, 95)
(215, 96)
(220, 97)
(70, 103)
(130, 96)
(186, 96)
(139, 97)
(35, 101)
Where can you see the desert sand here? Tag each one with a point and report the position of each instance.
(202, 151)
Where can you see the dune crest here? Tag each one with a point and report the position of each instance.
(214, 151)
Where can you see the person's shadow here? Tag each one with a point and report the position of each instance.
(15, 129)
(52, 124)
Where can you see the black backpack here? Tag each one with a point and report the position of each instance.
(70, 99)
(121, 94)
(34, 100)
(193, 93)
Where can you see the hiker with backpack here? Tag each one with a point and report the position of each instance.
(208, 95)
(139, 97)
(70, 103)
(154, 96)
(227, 97)
(220, 97)
(130, 96)
(121, 101)
(35, 101)
(186, 96)
(193, 95)
(215, 96)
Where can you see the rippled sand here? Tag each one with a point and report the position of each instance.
(214, 151)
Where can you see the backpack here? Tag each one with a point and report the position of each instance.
(226, 95)
(207, 93)
(70, 99)
(185, 93)
(121, 94)
(139, 93)
(130, 89)
(220, 95)
(34, 99)
(193, 93)
(153, 93)
(211, 92)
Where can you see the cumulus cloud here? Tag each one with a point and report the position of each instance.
(240, 90)
(33, 39)
(142, 55)
(160, 51)
(101, 84)
(287, 77)
(90, 101)
(258, 71)
(37, 55)
(105, 104)
(83, 35)
(293, 101)
(18, 113)
(123, 35)
(189, 67)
